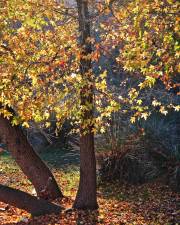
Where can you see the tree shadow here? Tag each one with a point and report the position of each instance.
(42, 220)
(87, 217)
(60, 159)
(138, 198)
(81, 218)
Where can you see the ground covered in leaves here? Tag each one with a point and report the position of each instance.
(152, 203)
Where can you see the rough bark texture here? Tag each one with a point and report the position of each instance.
(86, 197)
(28, 160)
(27, 202)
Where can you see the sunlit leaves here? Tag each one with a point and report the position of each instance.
(40, 58)
(148, 82)
(148, 34)
(35, 58)
(25, 124)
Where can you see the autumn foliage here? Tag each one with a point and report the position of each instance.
(53, 65)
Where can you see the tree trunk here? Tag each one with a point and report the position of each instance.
(86, 197)
(27, 202)
(28, 160)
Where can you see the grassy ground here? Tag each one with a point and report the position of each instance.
(147, 204)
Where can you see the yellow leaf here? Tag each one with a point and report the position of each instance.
(25, 124)
(133, 119)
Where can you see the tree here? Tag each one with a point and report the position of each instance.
(27, 202)
(146, 34)
(45, 70)
(47, 65)
(28, 160)
(86, 196)
(34, 70)
(30, 163)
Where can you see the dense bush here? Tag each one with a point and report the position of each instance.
(141, 152)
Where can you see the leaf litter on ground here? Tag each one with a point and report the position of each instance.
(119, 204)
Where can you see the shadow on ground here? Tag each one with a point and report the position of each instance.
(61, 158)
(78, 217)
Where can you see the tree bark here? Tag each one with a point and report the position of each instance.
(86, 196)
(28, 160)
(31, 204)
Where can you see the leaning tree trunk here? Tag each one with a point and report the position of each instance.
(86, 197)
(28, 160)
(27, 202)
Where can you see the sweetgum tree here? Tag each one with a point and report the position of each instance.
(47, 55)
(46, 66)
(23, 59)
(19, 58)
(147, 36)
